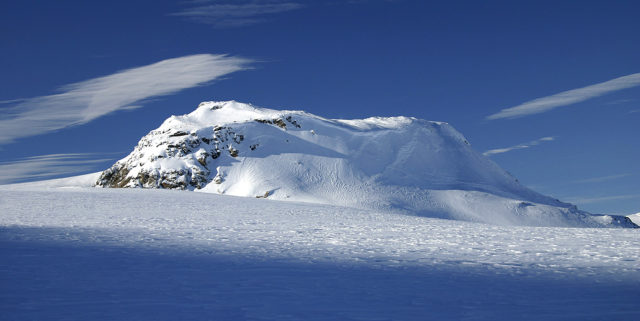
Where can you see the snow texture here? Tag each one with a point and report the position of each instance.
(635, 218)
(393, 164)
(79, 253)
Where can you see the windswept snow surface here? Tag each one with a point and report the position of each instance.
(139, 254)
(394, 164)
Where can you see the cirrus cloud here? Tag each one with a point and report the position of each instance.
(230, 14)
(81, 102)
(519, 146)
(589, 200)
(568, 97)
(51, 165)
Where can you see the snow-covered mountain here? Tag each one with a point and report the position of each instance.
(395, 164)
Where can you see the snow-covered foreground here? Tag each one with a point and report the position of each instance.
(133, 254)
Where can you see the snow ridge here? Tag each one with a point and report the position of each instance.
(399, 164)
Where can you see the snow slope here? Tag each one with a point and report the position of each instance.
(635, 218)
(145, 254)
(397, 164)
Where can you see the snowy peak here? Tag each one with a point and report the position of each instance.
(220, 113)
(228, 112)
(385, 163)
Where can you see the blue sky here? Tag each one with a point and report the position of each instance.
(550, 90)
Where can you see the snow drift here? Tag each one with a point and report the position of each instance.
(398, 164)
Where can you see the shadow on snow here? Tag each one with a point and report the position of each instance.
(74, 280)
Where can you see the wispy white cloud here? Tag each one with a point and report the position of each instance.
(589, 200)
(601, 178)
(569, 97)
(10, 101)
(229, 14)
(633, 111)
(49, 166)
(519, 146)
(620, 102)
(84, 101)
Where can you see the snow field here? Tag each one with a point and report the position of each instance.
(133, 254)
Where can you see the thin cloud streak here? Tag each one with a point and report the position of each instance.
(602, 178)
(569, 97)
(519, 146)
(82, 102)
(620, 102)
(50, 166)
(237, 13)
(590, 200)
(10, 101)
